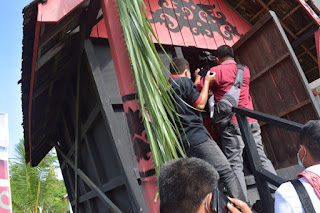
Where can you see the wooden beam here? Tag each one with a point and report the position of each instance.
(239, 4)
(70, 152)
(270, 67)
(292, 11)
(88, 138)
(301, 54)
(296, 107)
(305, 28)
(311, 70)
(304, 37)
(54, 29)
(83, 191)
(87, 180)
(69, 177)
(310, 54)
(44, 86)
(260, 11)
(292, 109)
(178, 52)
(77, 132)
(92, 116)
(51, 53)
(92, 12)
(290, 32)
(112, 184)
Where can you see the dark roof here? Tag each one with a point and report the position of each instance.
(54, 57)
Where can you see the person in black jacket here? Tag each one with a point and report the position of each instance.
(195, 137)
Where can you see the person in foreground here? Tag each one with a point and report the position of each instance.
(195, 137)
(186, 186)
(286, 197)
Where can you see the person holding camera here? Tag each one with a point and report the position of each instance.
(195, 137)
(230, 135)
(190, 185)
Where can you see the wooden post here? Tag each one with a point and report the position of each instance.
(317, 37)
(128, 92)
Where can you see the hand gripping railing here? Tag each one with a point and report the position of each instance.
(261, 175)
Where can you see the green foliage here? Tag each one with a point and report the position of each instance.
(151, 83)
(35, 188)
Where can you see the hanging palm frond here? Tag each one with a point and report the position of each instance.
(151, 83)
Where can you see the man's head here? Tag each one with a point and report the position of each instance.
(224, 52)
(180, 66)
(184, 184)
(309, 150)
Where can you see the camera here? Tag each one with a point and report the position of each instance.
(209, 59)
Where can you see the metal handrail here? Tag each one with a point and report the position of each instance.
(262, 176)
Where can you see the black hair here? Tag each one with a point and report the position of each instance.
(184, 183)
(224, 51)
(310, 137)
(179, 65)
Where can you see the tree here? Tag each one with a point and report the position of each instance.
(36, 189)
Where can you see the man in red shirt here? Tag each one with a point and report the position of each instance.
(232, 143)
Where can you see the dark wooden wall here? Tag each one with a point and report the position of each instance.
(105, 155)
(278, 86)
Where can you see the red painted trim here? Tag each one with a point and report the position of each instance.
(197, 101)
(34, 60)
(53, 11)
(310, 11)
(175, 76)
(317, 41)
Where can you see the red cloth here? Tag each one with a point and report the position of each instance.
(313, 179)
(225, 75)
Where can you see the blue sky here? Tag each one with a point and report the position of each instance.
(10, 63)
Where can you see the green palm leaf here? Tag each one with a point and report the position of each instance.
(151, 83)
(34, 187)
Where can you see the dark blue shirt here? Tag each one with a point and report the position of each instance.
(191, 119)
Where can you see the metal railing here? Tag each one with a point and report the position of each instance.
(262, 176)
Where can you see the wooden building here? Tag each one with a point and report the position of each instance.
(78, 92)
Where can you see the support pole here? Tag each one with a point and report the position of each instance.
(255, 163)
(128, 92)
(89, 182)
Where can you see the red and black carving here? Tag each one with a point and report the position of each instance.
(199, 18)
(138, 135)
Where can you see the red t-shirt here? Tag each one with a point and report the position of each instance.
(225, 75)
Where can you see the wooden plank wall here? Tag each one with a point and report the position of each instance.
(205, 24)
(278, 86)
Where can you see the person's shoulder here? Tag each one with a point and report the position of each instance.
(181, 81)
(315, 169)
(285, 189)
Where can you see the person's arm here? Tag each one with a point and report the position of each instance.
(197, 76)
(205, 90)
(240, 204)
